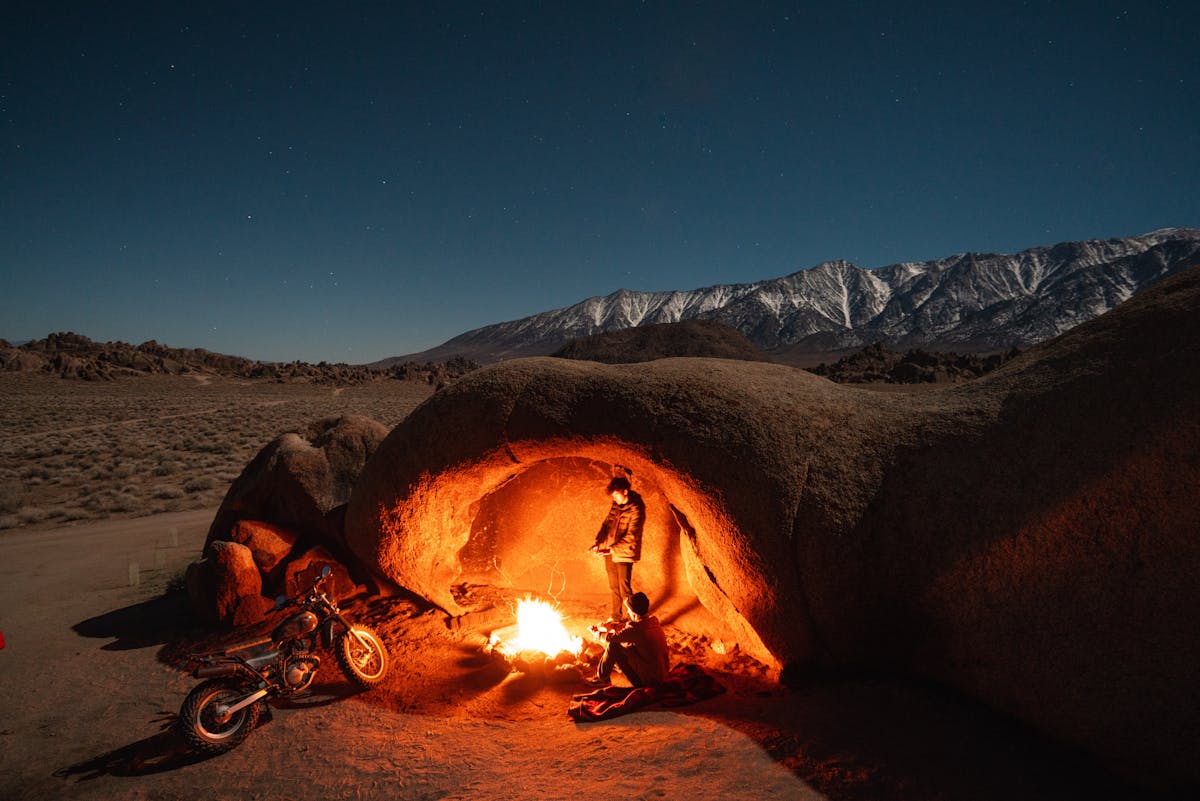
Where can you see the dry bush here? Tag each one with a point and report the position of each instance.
(11, 496)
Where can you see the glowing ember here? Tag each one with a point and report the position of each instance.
(540, 628)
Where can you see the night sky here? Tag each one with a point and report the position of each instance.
(345, 182)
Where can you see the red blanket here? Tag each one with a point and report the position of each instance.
(685, 684)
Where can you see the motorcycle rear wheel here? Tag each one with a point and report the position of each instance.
(198, 716)
(364, 665)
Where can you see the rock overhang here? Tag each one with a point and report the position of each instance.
(841, 526)
(728, 449)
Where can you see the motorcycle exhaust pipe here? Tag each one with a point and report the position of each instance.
(225, 712)
(210, 671)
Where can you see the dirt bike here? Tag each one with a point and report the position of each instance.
(219, 713)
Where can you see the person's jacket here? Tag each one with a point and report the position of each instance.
(646, 649)
(621, 532)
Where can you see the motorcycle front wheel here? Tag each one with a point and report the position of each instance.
(362, 656)
(200, 717)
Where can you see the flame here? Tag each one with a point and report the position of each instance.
(540, 628)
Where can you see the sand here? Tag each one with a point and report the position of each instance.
(96, 476)
(86, 715)
(89, 694)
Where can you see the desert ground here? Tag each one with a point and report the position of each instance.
(106, 494)
(88, 450)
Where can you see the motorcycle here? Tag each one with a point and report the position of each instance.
(219, 713)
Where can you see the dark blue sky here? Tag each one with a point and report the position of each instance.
(302, 181)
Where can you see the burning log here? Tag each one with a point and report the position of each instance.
(538, 644)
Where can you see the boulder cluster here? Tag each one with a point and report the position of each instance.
(879, 364)
(281, 520)
(74, 356)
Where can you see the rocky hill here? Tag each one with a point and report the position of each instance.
(71, 355)
(879, 364)
(970, 301)
(663, 341)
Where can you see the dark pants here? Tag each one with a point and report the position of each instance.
(617, 655)
(620, 583)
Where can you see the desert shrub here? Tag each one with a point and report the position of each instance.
(31, 514)
(198, 484)
(177, 583)
(165, 493)
(123, 502)
(11, 497)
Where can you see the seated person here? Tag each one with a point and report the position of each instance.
(639, 649)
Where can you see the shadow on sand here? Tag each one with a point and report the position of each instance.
(158, 753)
(152, 622)
(867, 737)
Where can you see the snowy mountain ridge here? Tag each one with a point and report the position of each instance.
(969, 300)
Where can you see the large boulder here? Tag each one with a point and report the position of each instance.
(1028, 538)
(270, 545)
(302, 481)
(225, 587)
(290, 499)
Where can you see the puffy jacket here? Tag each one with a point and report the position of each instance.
(621, 532)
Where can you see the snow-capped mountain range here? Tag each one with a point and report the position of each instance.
(969, 301)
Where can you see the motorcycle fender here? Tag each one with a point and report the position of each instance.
(327, 633)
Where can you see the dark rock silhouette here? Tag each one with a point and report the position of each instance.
(879, 364)
(1028, 538)
(71, 355)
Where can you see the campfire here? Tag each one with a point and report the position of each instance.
(539, 643)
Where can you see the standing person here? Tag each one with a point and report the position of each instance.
(639, 649)
(619, 541)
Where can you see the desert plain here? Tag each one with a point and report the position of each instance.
(107, 490)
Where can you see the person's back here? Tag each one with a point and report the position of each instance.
(639, 649)
(644, 647)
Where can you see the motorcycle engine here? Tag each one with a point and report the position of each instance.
(299, 670)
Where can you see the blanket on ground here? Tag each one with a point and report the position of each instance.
(685, 684)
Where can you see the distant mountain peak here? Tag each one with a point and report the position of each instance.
(974, 301)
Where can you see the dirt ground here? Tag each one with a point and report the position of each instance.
(89, 691)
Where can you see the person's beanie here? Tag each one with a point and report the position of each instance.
(639, 603)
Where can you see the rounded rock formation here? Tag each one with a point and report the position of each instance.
(226, 587)
(302, 482)
(1028, 538)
